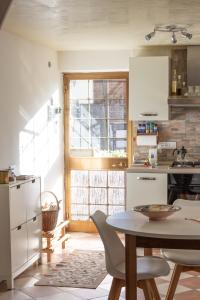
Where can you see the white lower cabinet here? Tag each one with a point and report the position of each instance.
(19, 246)
(20, 236)
(34, 234)
(146, 188)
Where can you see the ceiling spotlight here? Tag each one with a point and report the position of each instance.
(174, 40)
(149, 35)
(174, 29)
(187, 34)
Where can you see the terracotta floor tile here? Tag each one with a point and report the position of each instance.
(189, 295)
(89, 293)
(161, 280)
(14, 295)
(192, 282)
(40, 291)
(193, 273)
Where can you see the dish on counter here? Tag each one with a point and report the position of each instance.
(157, 212)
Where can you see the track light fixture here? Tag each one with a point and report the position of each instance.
(174, 40)
(187, 34)
(174, 29)
(149, 35)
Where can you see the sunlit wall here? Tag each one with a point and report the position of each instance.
(31, 138)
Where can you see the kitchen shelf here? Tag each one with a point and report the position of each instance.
(184, 101)
(147, 134)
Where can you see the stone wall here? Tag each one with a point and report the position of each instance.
(184, 128)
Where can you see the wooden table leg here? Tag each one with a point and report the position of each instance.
(148, 251)
(131, 267)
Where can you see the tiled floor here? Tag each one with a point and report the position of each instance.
(188, 288)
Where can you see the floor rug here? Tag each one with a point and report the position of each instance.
(81, 269)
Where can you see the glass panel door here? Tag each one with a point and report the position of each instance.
(96, 152)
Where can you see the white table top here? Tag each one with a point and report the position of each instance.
(174, 227)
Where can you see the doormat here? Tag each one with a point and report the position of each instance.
(80, 269)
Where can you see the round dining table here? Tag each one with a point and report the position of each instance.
(179, 231)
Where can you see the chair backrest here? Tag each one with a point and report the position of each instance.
(114, 249)
(183, 202)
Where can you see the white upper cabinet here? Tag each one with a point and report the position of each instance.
(148, 88)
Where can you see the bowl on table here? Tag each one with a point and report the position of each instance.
(157, 212)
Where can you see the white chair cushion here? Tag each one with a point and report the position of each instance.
(182, 257)
(147, 267)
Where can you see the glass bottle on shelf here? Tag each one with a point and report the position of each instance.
(184, 89)
(179, 86)
(174, 83)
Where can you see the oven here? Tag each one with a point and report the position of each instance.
(183, 186)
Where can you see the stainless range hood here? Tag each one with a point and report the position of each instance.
(193, 65)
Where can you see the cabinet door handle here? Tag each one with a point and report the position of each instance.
(146, 178)
(18, 186)
(33, 181)
(34, 219)
(19, 227)
(148, 114)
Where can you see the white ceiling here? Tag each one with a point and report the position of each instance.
(101, 24)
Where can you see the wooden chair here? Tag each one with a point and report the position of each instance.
(185, 260)
(148, 267)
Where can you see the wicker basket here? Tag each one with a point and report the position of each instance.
(50, 217)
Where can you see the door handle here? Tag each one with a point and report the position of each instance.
(121, 165)
(148, 114)
(146, 178)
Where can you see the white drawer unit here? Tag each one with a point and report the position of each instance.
(33, 203)
(19, 247)
(146, 188)
(17, 205)
(20, 227)
(34, 234)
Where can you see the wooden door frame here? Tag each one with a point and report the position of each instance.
(86, 226)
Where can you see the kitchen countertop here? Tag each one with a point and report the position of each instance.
(162, 168)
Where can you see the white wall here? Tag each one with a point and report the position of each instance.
(105, 61)
(93, 61)
(28, 139)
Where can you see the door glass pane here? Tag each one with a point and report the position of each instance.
(98, 114)
(79, 195)
(80, 209)
(98, 128)
(115, 209)
(118, 144)
(116, 89)
(92, 190)
(103, 208)
(79, 110)
(98, 195)
(116, 179)
(116, 196)
(98, 178)
(117, 129)
(78, 89)
(117, 109)
(98, 109)
(80, 128)
(97, 89)
(79, 143)
(99, 145)
(79, 178)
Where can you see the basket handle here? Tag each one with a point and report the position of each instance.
(54, 195)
